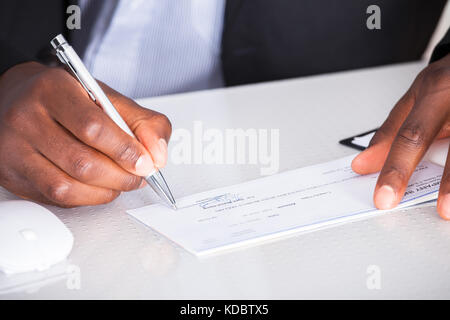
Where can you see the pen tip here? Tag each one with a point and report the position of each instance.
(174, 206)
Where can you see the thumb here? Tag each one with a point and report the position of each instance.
(151, 128)
(154, 133)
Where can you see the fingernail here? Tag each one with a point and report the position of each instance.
(385, 198)
(444, 207)
(161, 156)
(144, 166)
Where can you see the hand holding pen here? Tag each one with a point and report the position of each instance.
(59, 147)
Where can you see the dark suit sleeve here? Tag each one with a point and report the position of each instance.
(442, 49)
(26, 28)
(10, 56)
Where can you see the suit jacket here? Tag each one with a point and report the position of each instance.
(263, 39)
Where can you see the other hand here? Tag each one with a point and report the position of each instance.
(419, 117)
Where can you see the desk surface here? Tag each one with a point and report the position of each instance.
(116, 257)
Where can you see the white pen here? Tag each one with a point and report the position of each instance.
(69, 57)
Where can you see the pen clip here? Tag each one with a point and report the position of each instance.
(65, 61)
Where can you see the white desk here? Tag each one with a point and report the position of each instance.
(120, 258)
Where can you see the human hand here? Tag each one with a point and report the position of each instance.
(59, 147)
(419, 117)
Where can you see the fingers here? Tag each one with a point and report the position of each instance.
(63, 149)
(154, 134)
(11, 159)
(93, 127)
(151, 128)
(443, 204)
(372, 159)
(21, 187)
(78, 160)
(410, 144)
(59, 188)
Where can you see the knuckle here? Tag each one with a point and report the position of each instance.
(412, 135)
(131, 182)
(164, 121)
(113, 195)
(91, 127)
(83, 168)
(127, 153)
(393, 171)
(59, 191)
(15, 117)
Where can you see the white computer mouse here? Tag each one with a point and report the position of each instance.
(31, 237)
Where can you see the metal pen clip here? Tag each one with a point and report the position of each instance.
(62, 57)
